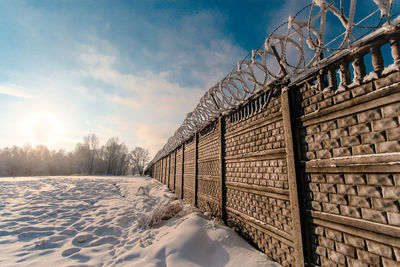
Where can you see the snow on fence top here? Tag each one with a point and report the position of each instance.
(318, 32)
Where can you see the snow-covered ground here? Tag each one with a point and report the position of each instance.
(110, 221)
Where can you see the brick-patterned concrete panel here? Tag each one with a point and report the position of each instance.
(334, 247)
(257, 182)
(323, 147)
(268, 172)
(263, 138)
(271, 109)
(373, 131)
(369, 196)
(208, 149)
(349, 149)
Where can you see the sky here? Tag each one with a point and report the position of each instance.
(129, 69)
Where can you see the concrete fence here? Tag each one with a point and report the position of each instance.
(308, 172)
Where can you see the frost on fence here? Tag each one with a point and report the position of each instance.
(316, 32)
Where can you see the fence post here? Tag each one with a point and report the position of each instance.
(169, 170)
(222, 167)
(161, 169)
(292, 179)
(183, 168)
(165, 167)
(196, 181)
(175, 169)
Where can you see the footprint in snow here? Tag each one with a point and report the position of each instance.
(69, 252)
(68, 232)
(82, 240)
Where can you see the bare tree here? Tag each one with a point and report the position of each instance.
(92, 143)
(112, 158)
(140, 157)
(111, 151)
(80, 159)
(121, 161)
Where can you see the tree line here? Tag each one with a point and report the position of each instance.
(88, 158)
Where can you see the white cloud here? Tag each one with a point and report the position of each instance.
(84, 91)
(148, 135)
(15, 90)
(152, 92)
(126, 101)
(289, 8)
(154, 137)
(157, 102)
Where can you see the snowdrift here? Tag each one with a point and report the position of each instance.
(107, 221)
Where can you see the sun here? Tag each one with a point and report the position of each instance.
(43, 128)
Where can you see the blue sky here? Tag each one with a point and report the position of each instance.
(131, 69)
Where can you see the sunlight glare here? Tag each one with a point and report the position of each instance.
(43, 128)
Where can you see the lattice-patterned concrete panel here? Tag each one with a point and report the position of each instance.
(189, 181)
(189, 195)
(209, 142)
(209, 170)
(268, 208)
(210, 188)
(179, 168)
(167, 169)
(171, 183)
(164, 171)
(278, 248)
(210, 205)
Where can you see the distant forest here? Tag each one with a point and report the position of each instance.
(88, 158)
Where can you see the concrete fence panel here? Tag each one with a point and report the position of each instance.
(307, 171)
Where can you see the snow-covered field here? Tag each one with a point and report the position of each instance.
(110, 221)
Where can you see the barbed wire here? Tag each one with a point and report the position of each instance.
(265, 67)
